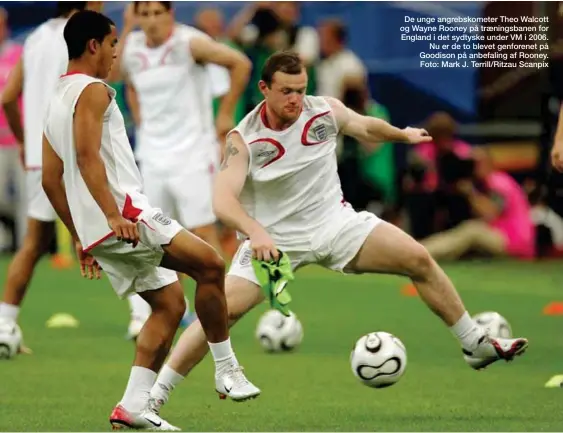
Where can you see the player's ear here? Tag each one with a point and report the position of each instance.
(263, 87)
(93, 46)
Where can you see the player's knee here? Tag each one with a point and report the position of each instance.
(213, 269)
(419, 262)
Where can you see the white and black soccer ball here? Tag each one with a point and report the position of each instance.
(495, 324)
(10, 339)
(278, 333)
(379, 359)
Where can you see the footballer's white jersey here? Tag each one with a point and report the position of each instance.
(175, 102)
(122, 172)
(292, 187)
(45, 59)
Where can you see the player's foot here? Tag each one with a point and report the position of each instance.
(134, 328)
(491, 349)
(147, 419)
(231, 382)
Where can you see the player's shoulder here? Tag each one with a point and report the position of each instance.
(311, 102)
(251, 123)
(40, 34)
(186, 32)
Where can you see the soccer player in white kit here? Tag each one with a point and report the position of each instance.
(279, 187)
(169, 92)
(92, 181)
(44, 59)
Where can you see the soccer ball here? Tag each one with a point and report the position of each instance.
(378, 359)
(10, 339)
(494, 323)
(278, 333)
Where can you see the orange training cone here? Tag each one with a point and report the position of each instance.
(409, 290)
(553, 309)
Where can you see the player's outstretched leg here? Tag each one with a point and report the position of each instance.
(192, 256)
(242, 295)
(153, 344)
(36, 242)
(388, 249)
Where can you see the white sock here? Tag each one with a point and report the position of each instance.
(140, 309)
(9, 311)
(166, 381)
(138, 389)
(467, 332)
(221, 351)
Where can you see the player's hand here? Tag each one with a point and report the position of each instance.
(89, 267)
(416, 135)
(263, 247)
(124, 230)
(557, 156)
(223, 124)
(129, 16)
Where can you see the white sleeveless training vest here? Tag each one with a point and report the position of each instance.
(292, 186)
(122, 172)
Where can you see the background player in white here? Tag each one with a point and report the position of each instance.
(91, 178)
(279, 187)
(43, 61)
(169, 92)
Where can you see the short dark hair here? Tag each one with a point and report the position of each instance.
(338, 29)
(287, 62)
(82, 27)
(167, 5)
(65, 8)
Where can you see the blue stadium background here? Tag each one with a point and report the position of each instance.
(395, 75)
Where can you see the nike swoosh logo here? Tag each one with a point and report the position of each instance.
(228, 389)
(153, 423)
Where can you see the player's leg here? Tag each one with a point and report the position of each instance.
(134, 270)
(473, 235)
(242, 294)
(209, 234)
(155, 188)
(387, 249)
(39, 234)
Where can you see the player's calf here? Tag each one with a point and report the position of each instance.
(390, 250)
(242, 295)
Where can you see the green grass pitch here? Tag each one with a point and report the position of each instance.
(76, 376)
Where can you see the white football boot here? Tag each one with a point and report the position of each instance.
(231, 382)
(147, 419)
(491, 349)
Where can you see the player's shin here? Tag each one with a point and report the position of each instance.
(153, 344)
(438, 292)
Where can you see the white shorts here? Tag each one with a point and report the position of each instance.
(38, 205)
(186, 195)
(333, 246)
(135, 270)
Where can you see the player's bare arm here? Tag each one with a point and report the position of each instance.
(209, 51)
(132, 102)
(52, 182)
(226, 204)
(370, 130)
(12, 92)
(557, 150)
(88, 126)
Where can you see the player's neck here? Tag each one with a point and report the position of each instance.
(273, 122)
(158, 41)
(80, 66)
